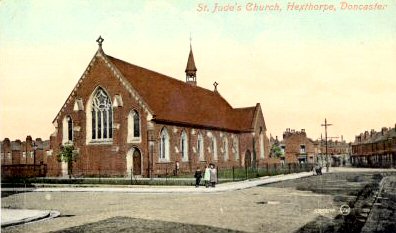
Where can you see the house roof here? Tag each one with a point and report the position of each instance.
(375, 137)
(172, 100)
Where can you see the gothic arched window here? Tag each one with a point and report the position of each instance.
(102, 116)
(67, 130)
(164, 145)
(262, 155)
(214, 147)
(136, 124)
(200, 147)
(235, 147)
(184, 146)
(133, 126)
(225, 146)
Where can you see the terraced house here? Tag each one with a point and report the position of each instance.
(375, 149)
(127, 120)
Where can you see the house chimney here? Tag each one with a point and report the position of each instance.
(384, 130)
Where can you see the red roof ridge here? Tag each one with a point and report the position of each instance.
(171, 78)
(244, 108)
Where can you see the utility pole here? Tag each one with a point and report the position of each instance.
(327, 156)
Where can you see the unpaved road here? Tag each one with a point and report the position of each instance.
(279, 207)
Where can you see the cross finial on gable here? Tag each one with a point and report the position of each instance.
(100, 41)
(215, 84)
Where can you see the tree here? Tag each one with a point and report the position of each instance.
(277, 151)
(68, 155)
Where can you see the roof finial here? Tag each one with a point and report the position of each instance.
(100, 41)
(190, 40)
(215, 84)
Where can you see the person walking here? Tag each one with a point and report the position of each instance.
(198, 177)
(213, 175)
(207, 176)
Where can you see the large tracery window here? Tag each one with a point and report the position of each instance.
(102, 116)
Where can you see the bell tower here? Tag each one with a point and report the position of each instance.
(191, 69)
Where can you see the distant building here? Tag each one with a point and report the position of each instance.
(297, 147)
(375, 149)
(23, 158)
(338, 151)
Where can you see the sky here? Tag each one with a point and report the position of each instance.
(301, 66)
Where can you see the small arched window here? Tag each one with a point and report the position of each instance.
(164, 145)
(136, 124)
(262, 155)
(225, 146)
(235, 147)
(200, 147)
(214, 147)
(67, 127)
(133, 126)
(184, 146)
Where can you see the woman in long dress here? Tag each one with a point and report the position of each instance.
(213, 175)
(207, 176)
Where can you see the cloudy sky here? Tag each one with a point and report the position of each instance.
(302, 67)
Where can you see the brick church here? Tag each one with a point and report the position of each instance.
(127, 120)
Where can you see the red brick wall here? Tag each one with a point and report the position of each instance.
(110, 159)
(193, 157)
(292, 142)
(101, 159)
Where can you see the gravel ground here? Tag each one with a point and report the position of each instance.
(251, 210)
(125, 224)
(303, 205)
(360, 192)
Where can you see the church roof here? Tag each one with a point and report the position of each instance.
(174, 101)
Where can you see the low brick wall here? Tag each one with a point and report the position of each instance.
(23, 171)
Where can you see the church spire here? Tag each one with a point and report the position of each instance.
(191, 69)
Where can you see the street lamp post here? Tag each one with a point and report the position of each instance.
(327, 156)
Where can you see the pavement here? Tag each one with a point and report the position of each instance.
(11, 217)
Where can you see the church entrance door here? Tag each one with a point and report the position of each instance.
(137, 162)
(133, 162)
(248, 159)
